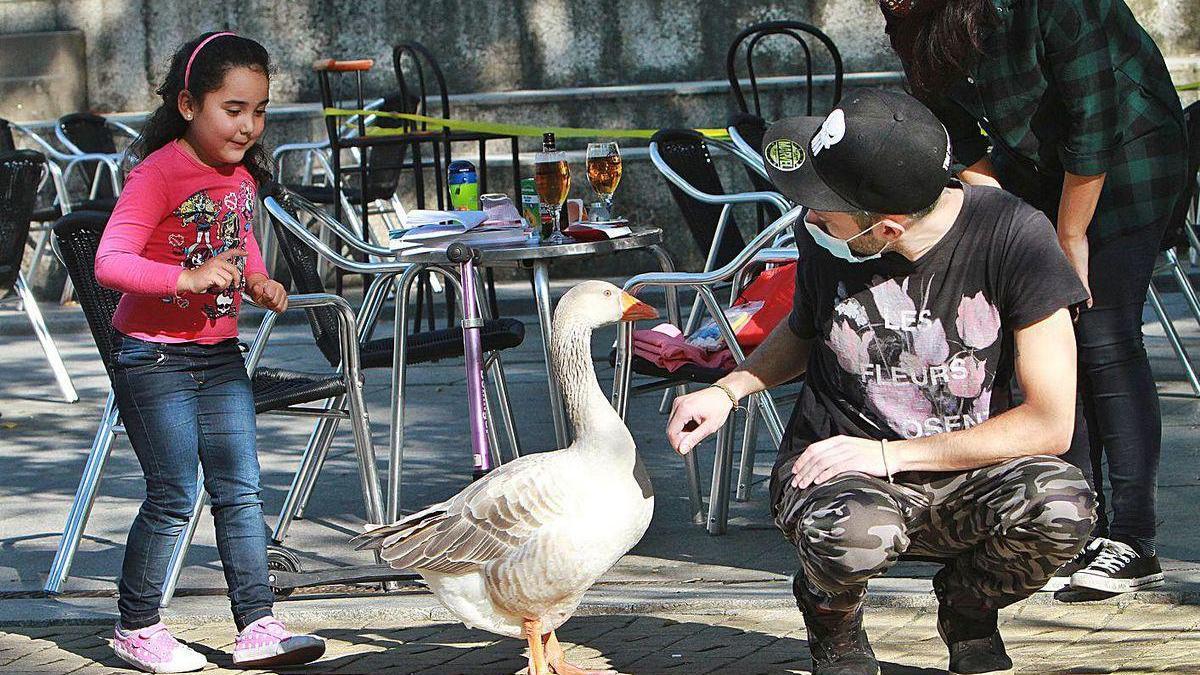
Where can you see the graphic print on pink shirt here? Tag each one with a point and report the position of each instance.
(201, 212)
(914, 375)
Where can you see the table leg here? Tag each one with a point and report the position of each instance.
(541, 294)
(400, 346)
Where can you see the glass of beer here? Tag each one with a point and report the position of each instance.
(552, 178)
(604, 171)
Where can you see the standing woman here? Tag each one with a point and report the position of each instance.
(1083, 123)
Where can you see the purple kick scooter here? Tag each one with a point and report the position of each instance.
(466, 257)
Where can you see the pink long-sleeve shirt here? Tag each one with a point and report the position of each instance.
(175, 213)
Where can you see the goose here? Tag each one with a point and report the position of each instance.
(515, 551)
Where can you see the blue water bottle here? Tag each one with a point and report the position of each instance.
(464, 185)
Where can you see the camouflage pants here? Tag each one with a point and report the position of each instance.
(1001, 530)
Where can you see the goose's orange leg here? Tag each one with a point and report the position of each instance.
(537, 656)
(558, 659)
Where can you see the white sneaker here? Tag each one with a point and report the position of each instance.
(267, 644)
(154, 650)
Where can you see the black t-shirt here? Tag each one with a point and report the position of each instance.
(902, 349)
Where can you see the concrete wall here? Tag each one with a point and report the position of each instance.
(493, 45)
(506, 45)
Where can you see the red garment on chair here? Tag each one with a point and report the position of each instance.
(776, 288)
(665, 347)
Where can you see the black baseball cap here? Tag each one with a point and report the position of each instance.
(878, 151)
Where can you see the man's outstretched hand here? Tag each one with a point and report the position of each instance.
(695, 417)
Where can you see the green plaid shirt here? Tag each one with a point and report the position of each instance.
(1076, 86)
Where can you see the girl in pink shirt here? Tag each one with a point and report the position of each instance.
(179, 246)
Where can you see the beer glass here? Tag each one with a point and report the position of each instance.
(552, 178)
(604, 171)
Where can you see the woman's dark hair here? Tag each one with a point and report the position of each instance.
(207, 74)
(938, 40)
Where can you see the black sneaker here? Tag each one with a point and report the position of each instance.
(974, 641)
(836, 640)
(1118, 568)
(1062, 576)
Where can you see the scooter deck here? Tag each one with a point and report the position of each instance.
(339, 575)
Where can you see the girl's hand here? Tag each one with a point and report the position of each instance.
(216, 274)
(1076, 248)
(268, 293)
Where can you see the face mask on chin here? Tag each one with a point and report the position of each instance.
(840, 248)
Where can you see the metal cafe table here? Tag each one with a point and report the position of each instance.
(537, 257)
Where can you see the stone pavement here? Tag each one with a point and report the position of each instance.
(1041, 638)
(720, 603)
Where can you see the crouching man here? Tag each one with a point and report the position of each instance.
(917, 299)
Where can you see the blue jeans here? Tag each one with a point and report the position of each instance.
(182, 405)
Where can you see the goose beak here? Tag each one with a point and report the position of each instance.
(633, 309)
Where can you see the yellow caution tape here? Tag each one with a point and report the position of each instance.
(1188, 87)
(505, 129)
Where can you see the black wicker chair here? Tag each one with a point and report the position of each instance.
(686, 152)
(85, 133)
(276, 390)
(744, 48)
(52, 204)
(21, 171)
(301, 251)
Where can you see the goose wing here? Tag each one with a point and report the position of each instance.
(484, 522)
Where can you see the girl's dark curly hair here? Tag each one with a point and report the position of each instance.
(208, 73)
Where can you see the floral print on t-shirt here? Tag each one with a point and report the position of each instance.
(918, 373)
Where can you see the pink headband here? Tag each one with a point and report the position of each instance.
(187, 72)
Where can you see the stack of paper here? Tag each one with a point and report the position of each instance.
(426, 230)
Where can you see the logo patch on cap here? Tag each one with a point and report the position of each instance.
(785, 154)
(832, 130)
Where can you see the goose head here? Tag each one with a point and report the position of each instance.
(592, 304)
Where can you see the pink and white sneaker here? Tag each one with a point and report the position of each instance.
(266, 643)
(154, 650)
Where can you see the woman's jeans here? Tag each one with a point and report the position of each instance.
(183, 405)
(1118, 415)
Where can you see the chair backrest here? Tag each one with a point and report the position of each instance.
(90, 133)
(20, 173)
(7, 141)
(385, 162)
(752, 129)
(420, 80)
(686, 152)
(77, 235)
(301, 262)
(746, 44)
(1191, 188)
(381, 162)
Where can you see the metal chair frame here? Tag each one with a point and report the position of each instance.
(387, 275)
(110, 426)
(109, 161)
(793, 29)
(23, 293)
(40, 233)
(763, 405)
